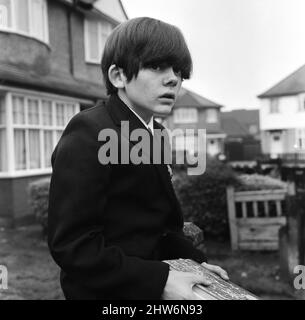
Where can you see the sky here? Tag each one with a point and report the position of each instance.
(240, 48)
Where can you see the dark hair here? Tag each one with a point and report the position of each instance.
(144, 42)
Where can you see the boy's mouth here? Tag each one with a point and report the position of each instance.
(170, 96)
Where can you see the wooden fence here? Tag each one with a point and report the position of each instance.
(255, 217)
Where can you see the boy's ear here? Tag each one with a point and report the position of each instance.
(117, 77)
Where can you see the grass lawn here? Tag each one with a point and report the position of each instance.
(258, 272)
(34, 275)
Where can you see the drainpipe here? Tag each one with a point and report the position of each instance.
(70, 39)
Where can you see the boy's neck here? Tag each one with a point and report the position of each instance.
(141, 113)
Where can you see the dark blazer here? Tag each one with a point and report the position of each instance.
(109, 226)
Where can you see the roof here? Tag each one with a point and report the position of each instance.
(243, 116)
(291, 85)
(237, 122)
(187, 98)
(52, 83)
(233, 128)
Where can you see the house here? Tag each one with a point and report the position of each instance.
(243, 134)
(49, 70)
(192, 111)
(282, 118)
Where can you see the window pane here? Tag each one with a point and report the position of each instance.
(20, 152)
(5, 14)
(274, 106)
(18, 110)
(184, 115)
(3, 151)
(33, 111)
(38, 19)
(48, 148)
(106, 29)
(47, 113)
(2, 111)
(34, 145)
(211, 115)
(70, 111)
(93, 40)
(60, 114)
(22, 15)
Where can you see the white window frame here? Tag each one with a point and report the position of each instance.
(54, 128)
(101, 39)
(3, 128)
(30, 33)
(185, 115)
(211, 118)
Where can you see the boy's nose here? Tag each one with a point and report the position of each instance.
(171, 78)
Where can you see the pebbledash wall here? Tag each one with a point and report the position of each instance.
(47, 75)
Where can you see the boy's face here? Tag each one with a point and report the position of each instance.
(154, 90)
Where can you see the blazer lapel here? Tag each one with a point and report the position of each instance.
(164, 169)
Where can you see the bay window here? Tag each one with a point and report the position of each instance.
(34, 128)
(28, 17)
(5, 17)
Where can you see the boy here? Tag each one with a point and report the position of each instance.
(111, 225)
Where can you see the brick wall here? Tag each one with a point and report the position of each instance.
(58, 35)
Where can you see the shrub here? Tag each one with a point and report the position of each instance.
(39, 200)
(203, 197)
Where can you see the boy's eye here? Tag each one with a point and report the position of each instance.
(158, 66)
(178, 73)
(155, 67)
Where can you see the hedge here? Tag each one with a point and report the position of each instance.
(203, 197)
(39, 201)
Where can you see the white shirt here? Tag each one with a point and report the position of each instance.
(149, 125)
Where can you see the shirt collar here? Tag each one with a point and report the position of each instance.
(149, 125)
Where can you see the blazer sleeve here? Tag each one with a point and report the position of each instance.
(78, 194)
(175, 245)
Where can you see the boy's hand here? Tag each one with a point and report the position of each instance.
(221, 272)
(179, 285)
